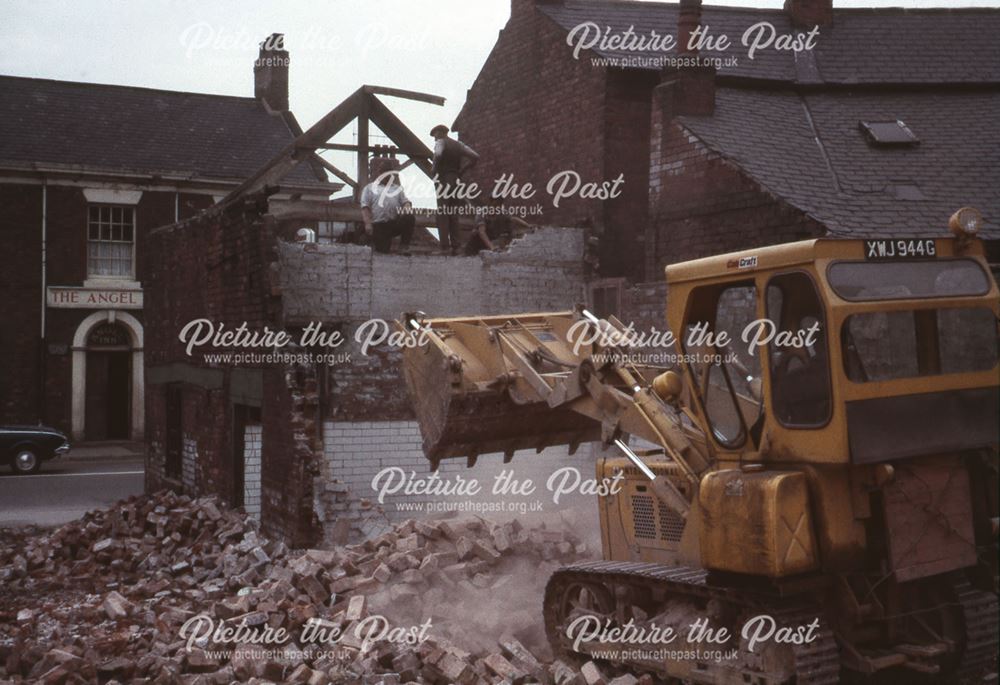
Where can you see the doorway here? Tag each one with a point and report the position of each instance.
(109, 384)
(111, 341)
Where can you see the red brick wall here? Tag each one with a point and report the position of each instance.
(290, 458)
(702, 204)
(626, 132)
(369, 388)
(644, 305)
(180, 285)
(67, 235)
(218, 268)
(158, 209)
(534, 110)
(20, 284)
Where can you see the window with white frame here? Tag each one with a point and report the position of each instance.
(110, 241)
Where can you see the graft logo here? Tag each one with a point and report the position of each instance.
(743, 263)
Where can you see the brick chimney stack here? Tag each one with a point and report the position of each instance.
(809, 13)
(270, 73)
(692, 87)
(687, 22)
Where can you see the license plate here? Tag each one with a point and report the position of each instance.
(900, 248)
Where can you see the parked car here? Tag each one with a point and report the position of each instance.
(24, 448)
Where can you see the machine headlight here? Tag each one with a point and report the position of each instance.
(965, 222)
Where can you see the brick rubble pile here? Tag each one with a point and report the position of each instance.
(103, 599)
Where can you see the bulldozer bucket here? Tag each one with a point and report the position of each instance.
(468, 398)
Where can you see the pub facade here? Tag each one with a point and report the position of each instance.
(86, 172)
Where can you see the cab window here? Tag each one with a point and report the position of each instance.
(727, 377)
(860, 281)
(797, 352)
(882, 346)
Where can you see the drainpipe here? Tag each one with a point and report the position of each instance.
(42, 356)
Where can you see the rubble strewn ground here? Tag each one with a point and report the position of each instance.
(106, 598)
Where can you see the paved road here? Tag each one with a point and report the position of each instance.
(65, 489)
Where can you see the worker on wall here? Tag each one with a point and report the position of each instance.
(451, 159)
(385, 209)
(494, 227)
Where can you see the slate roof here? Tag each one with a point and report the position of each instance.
(141, 130)
(807, 148)
(793, 123)
(882, 45)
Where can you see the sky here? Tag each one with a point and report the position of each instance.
(433, 46)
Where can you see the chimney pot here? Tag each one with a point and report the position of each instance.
(270, 73)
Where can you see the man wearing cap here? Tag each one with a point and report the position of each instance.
(385, 208)
(451, 159)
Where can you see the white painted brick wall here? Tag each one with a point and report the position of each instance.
(189, 461)
(251, 469)
(540, 271)
(354, 452)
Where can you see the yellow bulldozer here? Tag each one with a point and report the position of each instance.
(814, 470)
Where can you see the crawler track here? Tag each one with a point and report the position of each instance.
(816, 663)
(980, 613)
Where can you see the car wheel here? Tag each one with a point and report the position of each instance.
(26, 461)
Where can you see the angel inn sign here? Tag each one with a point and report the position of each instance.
(90, 298)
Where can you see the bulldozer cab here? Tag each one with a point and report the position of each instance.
(832, 351)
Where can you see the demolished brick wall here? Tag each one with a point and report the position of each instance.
(369, 422)
(218, 266)
(290, 456)
(336, 283)
(626, 132)
(245, 272)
